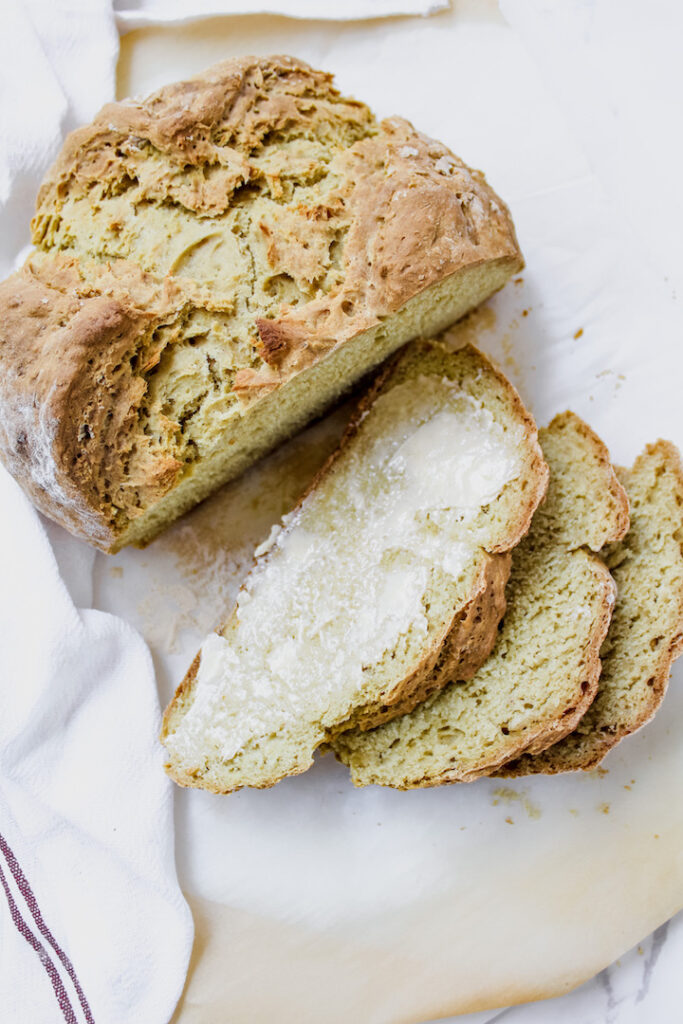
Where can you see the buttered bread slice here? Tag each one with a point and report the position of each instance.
(646, 632)
(543, 672)
(398, 552)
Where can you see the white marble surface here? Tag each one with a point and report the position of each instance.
(642, 987)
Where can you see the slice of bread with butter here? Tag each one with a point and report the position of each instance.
(385, 579)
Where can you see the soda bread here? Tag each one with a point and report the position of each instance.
(543, 672)
(646, 632)
(214, 265)
(398, 553)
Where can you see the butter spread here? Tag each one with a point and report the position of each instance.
(347, 575)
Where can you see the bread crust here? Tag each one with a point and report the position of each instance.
(78, 342)
(605, 735)
(471, 633)
(615, 525)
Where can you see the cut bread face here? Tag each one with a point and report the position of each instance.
(646, 632)
(543, 672)
(399, 551)
(214, 265)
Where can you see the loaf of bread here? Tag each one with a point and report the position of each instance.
(543, 672)
(646, 632)
(214, 265)
(395, 558)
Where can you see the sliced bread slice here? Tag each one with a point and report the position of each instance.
(543, 672)
(399, 547)
(646, 632)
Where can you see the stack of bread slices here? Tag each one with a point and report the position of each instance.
(456, 595)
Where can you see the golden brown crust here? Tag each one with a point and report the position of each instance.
(248, 97)
(406, 189)
(78, 341)
(69, 387)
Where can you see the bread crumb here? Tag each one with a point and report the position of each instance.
(509, 821)
(116, 572)
(603, 808)
(470, 328)
(507, 795)
(578, 334)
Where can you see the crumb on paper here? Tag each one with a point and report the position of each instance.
(578, 334)
(482, 329)
(509, 360)
(618, 378)
(598, 773)
(507, 795)
(573, 810)
(518, 280)
(509, 821)
(116, 572)
(656, 835)
(603, 808)
(468, 330)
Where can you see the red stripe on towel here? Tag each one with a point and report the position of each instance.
(32, 904)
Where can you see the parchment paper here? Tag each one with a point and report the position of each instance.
(314, 901)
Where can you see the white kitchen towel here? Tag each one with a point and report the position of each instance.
(136, 13)
(93, 925)
(57, 67)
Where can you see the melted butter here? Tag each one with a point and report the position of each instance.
(346, 577)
